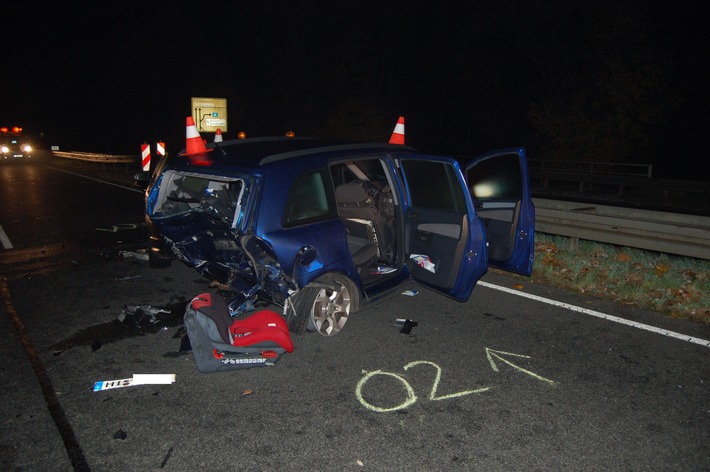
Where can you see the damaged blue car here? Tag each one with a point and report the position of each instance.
(323, 228)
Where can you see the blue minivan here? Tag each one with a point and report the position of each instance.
(323, 228)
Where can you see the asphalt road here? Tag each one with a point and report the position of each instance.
(501, 382)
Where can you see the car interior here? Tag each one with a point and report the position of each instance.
(181, 193)
(366, 206)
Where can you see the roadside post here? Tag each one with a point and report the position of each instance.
(145, 156)
(160, 149)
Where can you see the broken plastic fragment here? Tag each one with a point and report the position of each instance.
(153, 379)
(140, 315)
(141, 254)
(406, 325)
(137, 379)
(167, 456)
(128, 277)
(379, 270)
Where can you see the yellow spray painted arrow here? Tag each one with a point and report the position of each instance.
(491, 354)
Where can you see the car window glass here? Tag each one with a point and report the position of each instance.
(433, 185)
(180, 193)
(497, 178)
(307, 200)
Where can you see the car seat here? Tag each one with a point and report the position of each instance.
(221, 343)
(356, 207)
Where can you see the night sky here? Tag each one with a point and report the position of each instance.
(614, 81)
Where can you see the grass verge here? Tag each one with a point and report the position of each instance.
(673, 285)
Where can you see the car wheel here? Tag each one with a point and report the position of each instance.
(324, 305)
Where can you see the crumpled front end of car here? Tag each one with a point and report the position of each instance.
(204, 220)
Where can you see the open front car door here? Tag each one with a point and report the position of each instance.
(443, 237)
(500, 188)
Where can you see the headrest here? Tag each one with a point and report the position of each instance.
(350, 192)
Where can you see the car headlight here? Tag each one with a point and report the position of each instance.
(5, 149)
(26, 148)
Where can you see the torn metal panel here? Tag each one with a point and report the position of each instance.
(199, 217)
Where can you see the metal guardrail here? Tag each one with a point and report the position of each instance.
(94, 157)
(623, 183)
(591, 167)
(672, 233)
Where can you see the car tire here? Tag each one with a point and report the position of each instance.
(324, 305)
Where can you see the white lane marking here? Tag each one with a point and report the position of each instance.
(97, 180)
(4, 239)
(598, 314)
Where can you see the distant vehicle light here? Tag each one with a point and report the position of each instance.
(241, 135)
(16, 129)
(3, 129)
(27, 148)
(290, 134)
(5, 149)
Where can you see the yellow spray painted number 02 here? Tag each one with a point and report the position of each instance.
(411, 396)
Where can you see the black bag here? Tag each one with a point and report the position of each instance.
(220, 342)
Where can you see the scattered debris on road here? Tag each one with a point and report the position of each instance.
(137, 379)
(406, 325)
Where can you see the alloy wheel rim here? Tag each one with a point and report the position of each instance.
(331, 309)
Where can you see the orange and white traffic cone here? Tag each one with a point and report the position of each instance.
(193, 141)
(398, 133)
(218, 136)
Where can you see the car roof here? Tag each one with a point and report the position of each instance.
(258, 152)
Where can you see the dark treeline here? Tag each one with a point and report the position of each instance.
(614, 81)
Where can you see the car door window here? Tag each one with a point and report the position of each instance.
(496, 187)
(498, 183)
(308, 200)
(434, 185)
(496, 179)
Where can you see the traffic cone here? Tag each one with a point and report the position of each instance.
(193, 141)
(218, 136)
(398, 133)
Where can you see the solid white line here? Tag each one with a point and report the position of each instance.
(97, 180)
(4, 239)
(599, 314)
